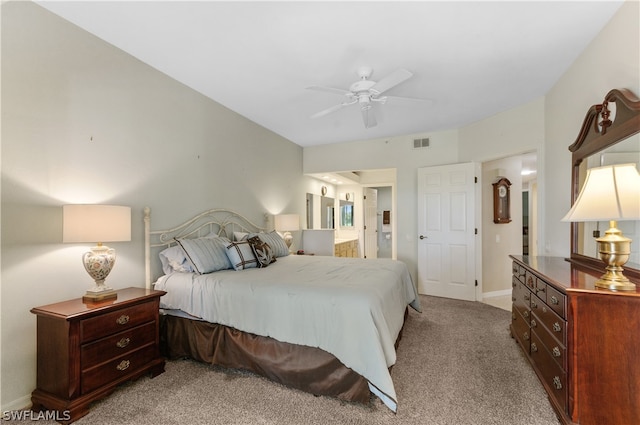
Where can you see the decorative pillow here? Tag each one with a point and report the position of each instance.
(206, 255)
(275, 241)
(174, 259)
(262, 251)
(241, 255)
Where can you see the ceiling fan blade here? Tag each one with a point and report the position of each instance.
(328, 110)
(332, 90)
(368, 117)
(392, 80)
(405, 99)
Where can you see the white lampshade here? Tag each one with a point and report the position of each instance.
(287, 222)
(611, 192)
(96, 223)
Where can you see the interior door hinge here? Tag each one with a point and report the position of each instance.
(476, 282)
(476, 231)
(476, 179)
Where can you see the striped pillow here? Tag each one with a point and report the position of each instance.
(275, 241)
(241, 255)
(206, 255)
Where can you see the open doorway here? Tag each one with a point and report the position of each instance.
(384, 211)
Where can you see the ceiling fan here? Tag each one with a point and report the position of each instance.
(365, 92)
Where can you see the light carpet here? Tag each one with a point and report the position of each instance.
(457, 364)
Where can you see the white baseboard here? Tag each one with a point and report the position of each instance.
(493, 294)
(22, 403)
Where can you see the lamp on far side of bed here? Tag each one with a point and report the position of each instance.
(287, 223)
(97, 223)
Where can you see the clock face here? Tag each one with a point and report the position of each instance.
(502, 191)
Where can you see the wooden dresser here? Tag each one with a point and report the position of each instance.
(582, 342)
(86, 350)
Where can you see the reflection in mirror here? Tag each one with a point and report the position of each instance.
(309, 211)
(327, 213)
(624, 152)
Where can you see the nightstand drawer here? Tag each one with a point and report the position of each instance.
(116, 345)
(117, 368)
(116, 321)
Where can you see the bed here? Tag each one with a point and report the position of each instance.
(324, 325)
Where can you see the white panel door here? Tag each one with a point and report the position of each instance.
(446, 231)
(370, 223)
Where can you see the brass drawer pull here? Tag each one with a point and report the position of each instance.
(527, 297)
(534, 323)
(526, 314)
(526, 336)
(123, 342)
(534, 347)
(554, 300)
(541, 289)
(556, 352)
(557, 383)
(124, 365)
(557, 327)
(534, 304)
(122, 320)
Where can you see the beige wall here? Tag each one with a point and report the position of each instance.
(611, 61)
(85, 122)
(545, 125)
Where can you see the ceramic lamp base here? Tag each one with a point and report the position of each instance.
(98, 263)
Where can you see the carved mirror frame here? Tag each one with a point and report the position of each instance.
(599, 132)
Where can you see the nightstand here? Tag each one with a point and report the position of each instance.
(86, 350)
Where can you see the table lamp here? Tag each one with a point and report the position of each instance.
(97, 223)
(287, 223)
(610, 193)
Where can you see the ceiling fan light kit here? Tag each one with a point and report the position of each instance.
(365, 92)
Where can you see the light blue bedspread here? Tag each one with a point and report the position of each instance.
(351, 308)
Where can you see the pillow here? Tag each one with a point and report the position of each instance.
(206, 255)
(240, 236)
(173, 259)
(262, 251)
(275, 241)
(241, 255)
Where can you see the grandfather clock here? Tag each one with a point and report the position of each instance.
(502, 201)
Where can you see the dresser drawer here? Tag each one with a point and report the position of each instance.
(118, 367)
(116, 321)
(530, 280)
(521, 296)
(557, 301)
(556, 325)
(551, 374)
(520, 330)
(557, 350)
(116, 345)
(541, 288)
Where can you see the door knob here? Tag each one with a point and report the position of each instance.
(423, 237)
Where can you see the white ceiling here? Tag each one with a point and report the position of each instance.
(473, 59)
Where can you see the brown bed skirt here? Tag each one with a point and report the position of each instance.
(309, 369)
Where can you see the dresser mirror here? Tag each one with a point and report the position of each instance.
(610, 134)
(320, 212)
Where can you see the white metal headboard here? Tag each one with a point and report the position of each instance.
(221, 221)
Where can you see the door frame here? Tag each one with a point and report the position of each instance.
(394, 205)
